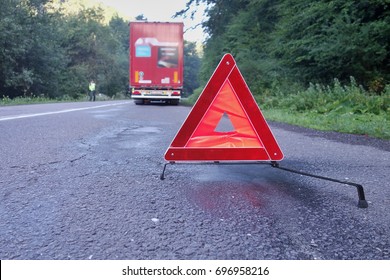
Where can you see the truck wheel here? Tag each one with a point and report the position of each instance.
(139, 102)
(174, 102)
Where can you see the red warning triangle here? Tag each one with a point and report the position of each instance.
(225, 95)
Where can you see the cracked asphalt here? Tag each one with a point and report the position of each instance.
(83, 182)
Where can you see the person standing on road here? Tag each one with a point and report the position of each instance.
(92, 90)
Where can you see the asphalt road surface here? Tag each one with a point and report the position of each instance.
(82, 181)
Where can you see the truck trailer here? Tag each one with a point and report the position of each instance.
(156, 61)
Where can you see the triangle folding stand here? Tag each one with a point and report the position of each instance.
(226, 101)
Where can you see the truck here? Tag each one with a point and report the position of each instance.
(156, 62)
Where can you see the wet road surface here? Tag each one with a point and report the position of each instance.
(82, 181)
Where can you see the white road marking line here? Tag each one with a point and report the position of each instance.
(58, 112)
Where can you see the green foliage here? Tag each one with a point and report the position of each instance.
(44, 52)
(193, 97)
(22, 100)
(96, 51)
(319, 40)
(370, 124)
(192, 64)
(298, 41)
(337, 98)
(344, 108)
(23, 60)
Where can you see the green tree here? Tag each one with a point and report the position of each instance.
(29, 54)
(13, 48)
(296, 41)
(47, 50)
(322, 40)
(96, 51)
(192, 63)
(118, 48)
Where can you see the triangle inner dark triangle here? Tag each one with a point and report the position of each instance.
(225, 124)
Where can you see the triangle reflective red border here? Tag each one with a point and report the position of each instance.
(226, 94)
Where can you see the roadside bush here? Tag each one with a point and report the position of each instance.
(338, 98)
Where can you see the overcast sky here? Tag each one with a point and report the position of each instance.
(159, 10)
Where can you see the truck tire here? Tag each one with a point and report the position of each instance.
(139, 102)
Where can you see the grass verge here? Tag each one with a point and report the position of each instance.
(365, 124)
(6, 101)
